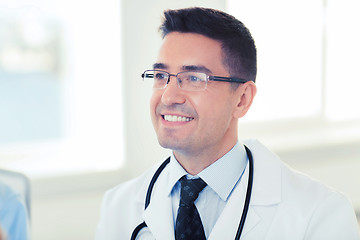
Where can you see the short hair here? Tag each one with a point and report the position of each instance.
(238, 46)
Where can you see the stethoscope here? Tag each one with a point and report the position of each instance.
(246, 204)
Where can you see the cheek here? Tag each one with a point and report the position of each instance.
(208, 110)
(217, 110)
(154, 100)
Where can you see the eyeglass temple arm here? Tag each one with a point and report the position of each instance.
(227, 79)
(143, 75)
(147, 75)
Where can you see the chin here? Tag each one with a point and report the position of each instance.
(167, 144)
(170, 144)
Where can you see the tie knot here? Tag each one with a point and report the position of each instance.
(190, 189)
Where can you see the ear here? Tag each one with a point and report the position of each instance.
(246, 93)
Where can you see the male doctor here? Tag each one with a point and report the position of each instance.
(203, 82)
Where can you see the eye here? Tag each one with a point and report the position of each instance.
(160, 76)
(194, 78)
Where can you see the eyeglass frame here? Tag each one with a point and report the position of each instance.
(208, 78)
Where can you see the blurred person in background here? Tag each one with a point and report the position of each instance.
(13, 215)
(2, 235)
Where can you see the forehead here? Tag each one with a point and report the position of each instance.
(191, 49)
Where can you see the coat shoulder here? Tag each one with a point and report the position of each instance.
(133, 189)
(122, 207)
(288, 199)
(304, 188)
(324, 212)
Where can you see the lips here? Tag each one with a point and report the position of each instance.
(176, 114)
(176, 118)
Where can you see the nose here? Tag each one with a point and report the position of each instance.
(172, 94)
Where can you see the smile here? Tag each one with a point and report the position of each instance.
(173, 118)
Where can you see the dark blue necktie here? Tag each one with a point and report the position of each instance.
(188, 223)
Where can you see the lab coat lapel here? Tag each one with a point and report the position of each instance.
(267, 175)
(228, 222)
(266, 191)
(158, 216)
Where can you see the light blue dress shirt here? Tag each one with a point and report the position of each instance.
(13, 215)
(221, 177)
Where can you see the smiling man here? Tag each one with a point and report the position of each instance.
(213, 186)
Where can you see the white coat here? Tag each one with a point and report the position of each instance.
(284, 205)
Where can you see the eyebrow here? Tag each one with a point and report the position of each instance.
(196, 68)
(160, 66)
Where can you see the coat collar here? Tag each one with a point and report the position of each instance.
(267, 175)
(266, 191)
(158, 215)
(230, 217)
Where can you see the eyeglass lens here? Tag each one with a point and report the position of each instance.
(191, 81)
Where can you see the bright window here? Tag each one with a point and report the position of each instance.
(342, 85)
(61, 93)
(313, 51)
(308, 81)
(289, 56)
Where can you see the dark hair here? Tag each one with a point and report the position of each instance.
(239, 51)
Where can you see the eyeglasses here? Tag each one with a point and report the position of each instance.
(189, 81)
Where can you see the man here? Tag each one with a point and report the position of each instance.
(203, 82)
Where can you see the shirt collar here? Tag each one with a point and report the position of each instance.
(176, 171)
(221, 176)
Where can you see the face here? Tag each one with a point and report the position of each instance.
(198, 121)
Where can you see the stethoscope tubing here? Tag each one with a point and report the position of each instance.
(248, 194)
(246, 204)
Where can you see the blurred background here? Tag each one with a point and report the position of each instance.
(74, 115)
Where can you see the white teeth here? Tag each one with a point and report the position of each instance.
(173, 118)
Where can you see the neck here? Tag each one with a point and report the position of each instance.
(194, 163)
